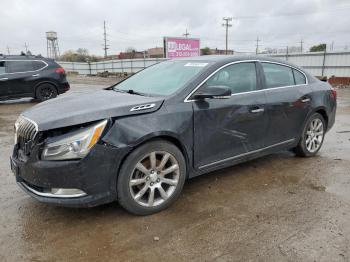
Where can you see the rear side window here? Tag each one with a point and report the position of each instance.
(23, 66)
(2, 67)
(239, 78)
(299, 77)
(277, 75)
(38, 65)
(18, 66)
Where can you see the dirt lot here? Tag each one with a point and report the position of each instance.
(278, 208)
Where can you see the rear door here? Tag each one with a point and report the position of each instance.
(226, 129)
(288, 102)
(21, 77)
(3, 80)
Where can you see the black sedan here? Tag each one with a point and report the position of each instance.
(138, 141)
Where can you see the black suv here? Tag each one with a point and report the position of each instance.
(31, 76)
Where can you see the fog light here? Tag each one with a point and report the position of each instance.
(68, 192)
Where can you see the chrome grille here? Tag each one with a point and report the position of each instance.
(26, 130)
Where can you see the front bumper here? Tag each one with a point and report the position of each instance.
(95, 177)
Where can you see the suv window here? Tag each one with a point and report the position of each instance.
(19, 66)
(239, 78)
(38, 65)
(277, 75)
(2, 67)
(299, 77)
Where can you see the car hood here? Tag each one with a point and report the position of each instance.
(83, 108)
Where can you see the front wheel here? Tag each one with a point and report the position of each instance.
(312, 136)
(151, 178)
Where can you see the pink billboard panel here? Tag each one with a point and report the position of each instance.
(176, 47)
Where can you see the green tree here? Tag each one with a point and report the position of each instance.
(81, 55)
(205, 51)
(318, 48)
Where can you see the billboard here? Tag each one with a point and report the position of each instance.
(176, 47)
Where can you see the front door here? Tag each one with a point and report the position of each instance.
(20, 77)
(226, 129)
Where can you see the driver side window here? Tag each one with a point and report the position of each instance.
(240, 77)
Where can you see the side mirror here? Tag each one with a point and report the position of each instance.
(213, 92)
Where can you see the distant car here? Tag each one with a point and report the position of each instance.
(31, 76)
(138, 141)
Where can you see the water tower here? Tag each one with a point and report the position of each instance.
(52, 45)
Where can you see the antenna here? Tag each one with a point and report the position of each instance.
(186, 34)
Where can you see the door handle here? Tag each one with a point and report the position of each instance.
(36, 75)
(305, 99)
(4, 79)
(257, 110)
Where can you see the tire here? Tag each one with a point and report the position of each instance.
(138, 178)
(45, 92)
(307, 148)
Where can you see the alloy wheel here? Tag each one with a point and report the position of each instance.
(154, 178)
(46, 92)
(314, 135)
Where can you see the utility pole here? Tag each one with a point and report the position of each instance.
(287, 51)
(8, 50)
(186, 34)
(257, 45)
(105, 46)
(301, 45)
(332, 46)
(26, 47)
(227, 25)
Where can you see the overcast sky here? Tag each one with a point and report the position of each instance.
(142, 23)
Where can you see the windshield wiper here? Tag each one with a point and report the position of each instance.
(133, 92)
(130, 91)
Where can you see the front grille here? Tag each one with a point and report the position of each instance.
(26, 132)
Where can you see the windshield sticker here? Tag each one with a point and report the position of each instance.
(196, 64)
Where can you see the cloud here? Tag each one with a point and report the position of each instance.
(142, 24)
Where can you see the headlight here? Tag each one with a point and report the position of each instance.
(74, 145)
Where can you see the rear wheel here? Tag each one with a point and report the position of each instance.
(312, 136)
(151, 178)
(45, 92)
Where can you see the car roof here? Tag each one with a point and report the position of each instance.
(236, 58)
(23, 57)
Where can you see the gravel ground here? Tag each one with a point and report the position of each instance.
(277, 208)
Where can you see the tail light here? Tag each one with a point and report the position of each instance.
(334, 93)
(60, 70)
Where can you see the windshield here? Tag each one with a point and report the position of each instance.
(162, 79)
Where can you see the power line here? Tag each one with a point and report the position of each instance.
(105, 47)
(336, 9)
(227, 25)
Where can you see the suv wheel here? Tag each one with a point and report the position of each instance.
(312, 136)
(45, 92)
(151, 178)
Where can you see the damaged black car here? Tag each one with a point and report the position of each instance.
(139, 140)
